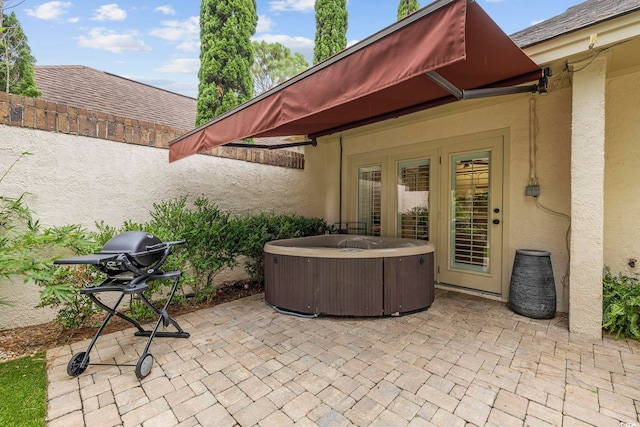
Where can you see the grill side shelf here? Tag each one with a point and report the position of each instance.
(93, 259)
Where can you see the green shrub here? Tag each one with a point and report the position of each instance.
(27, 249)
(211, 240)
(75, 310)
(258, 229)
(621, 305)
(214, 241)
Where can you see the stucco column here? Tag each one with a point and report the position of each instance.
(587, 198)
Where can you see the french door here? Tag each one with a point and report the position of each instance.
(451, 196)
(469, 249)
(393, 196)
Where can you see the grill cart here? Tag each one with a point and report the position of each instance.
(130, 260)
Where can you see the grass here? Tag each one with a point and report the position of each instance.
(23, 392)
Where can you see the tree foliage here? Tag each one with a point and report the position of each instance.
(331, 28)
(273, 64)
(16, 61)
(407, 7)
(226, 56)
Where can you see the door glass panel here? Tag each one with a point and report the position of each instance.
(470, 212)
(413, 199)
(369, 199)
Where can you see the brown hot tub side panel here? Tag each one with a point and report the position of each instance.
(333, 286)
(348, 287)
(408, 283)
(282, 275)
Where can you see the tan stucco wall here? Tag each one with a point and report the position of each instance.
(526, 226)
(79, 180)
(587, 197)
(622, 174)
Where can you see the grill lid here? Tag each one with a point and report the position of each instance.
(138, 245)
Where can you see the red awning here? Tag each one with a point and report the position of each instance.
(387, 75)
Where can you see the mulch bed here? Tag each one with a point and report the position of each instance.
(25, 341)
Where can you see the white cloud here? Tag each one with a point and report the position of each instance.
(181, 65)
(292, 5)
(49, 11)
(188, 30)
(101, 38)
(298, 44)
(109, 12)
(73, 20)
(189, 46)
(185, 33)
(265, 24)
(165, 10)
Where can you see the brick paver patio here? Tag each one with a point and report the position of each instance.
(464, 361)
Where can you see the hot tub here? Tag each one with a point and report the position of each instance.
(349, 275)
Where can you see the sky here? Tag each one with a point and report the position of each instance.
(157, 41)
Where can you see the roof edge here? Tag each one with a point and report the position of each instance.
(552, 36)
(609, 32)
(116, 75)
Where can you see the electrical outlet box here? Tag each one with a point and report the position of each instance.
(533, 190)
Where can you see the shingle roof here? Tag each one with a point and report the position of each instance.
(85, 87)
(580, 16)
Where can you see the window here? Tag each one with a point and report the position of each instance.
(369, 199)
(413, 199)
(470, 196)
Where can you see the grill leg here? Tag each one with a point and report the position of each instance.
(79, 362)
(163, 317)
(112, 311)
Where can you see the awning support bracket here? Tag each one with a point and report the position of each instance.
(313, 142)
(540, 87)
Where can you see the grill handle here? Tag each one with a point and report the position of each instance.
(167, 247)
(163, 245)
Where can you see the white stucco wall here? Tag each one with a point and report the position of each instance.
(80, 180)
(526, 226)
(622, 174)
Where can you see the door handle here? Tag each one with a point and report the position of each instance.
(496, 221)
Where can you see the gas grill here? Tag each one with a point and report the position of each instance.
(130, 261)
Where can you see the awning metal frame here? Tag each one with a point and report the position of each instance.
(540, 87)
(313, 142)
(460, 94)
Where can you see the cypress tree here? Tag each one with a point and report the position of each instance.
(407, 7)
(16, 61)
(226, 56)
(331, 28)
